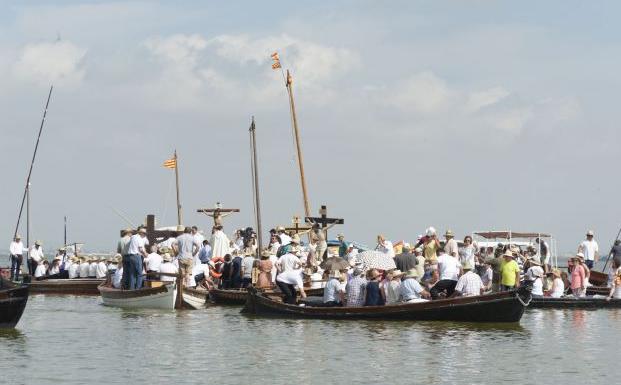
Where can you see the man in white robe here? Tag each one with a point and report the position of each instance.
(219, 243)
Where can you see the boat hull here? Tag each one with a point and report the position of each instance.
(240, 296)
(574, 303)
(162, 297)
(12, 304)
(77, 286)
(498, 307)
(194, 299)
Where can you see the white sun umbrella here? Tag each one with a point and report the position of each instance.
(372, 259)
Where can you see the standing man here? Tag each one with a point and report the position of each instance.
(449, 270)
(122, 248)
(204, 254)
(185, 248)
(544, 254)
(406, 261)
(16, 251)
(450, 246)
(136, 251)
(590, 249)
(35, 256)
(198, 237)
(342, 245)
(509, 272)
(284, 238)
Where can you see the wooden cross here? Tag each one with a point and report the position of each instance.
(297, 229)
(217, 213)
(156, 236)
(324, 220)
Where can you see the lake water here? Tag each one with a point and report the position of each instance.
(76, 340)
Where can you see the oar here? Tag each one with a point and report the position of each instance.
(613, 244)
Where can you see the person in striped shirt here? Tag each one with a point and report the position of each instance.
(469, 284)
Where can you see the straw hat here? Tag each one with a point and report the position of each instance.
(38, 243)
(556, 273)
(448, 233)
(508, 253)
(295, 239)
(339, 236)
(579, 256)
(412, 273)
(17, 236)
(396, 273)
(280, 228)
(166, 257)
(466, 266)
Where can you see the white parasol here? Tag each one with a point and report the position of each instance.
(372, 259)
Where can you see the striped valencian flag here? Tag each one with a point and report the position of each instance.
(170, 163)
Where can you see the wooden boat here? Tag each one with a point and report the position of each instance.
(498, 307)
(239, 296)
(161, 295)
(76, 286)
(13, 300)
(195, 298)
(597, 290)
(597, 278)
(574, 303)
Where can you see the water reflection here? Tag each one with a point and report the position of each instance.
(13, 335)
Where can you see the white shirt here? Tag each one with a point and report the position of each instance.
(40, 271)
(589, 248)
(284, 239)
(102, 270)
(469, 284)
(36, 253)
(168, 243)
(116, 279)
(448, 267)
(198, 239)
(16, 248)
(169, 268)
(84, 268)
(247, 264)
(92, 269)
(55, 269)
(73, 270)
(559, 289)
(153, 262)
(136, 242)
(291, 277)
(288, 262)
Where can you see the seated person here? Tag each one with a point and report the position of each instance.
(469, 284)
(334, 292)
(411, 290)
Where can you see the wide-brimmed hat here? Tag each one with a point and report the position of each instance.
(556, 273)
(412, 273)
(38, 242)
(590, 233)
(448, 233)
(508, 253)
(280, 228)
(340, 236)
(17, 236)
(295, 239)
(396, 273)
(166, 257)
(579, 256)
(467, 266)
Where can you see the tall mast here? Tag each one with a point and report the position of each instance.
(177, 183)
(294, 120)
(65, 241)
(21, 208)
(255, 184)
(28, 216)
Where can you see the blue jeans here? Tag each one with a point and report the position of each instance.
(589, 264)
(125, 276)
(135, 272)
(16, 263)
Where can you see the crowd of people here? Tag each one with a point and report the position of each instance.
(428, 269)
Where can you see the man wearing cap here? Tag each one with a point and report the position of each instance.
(411, 290)
(284, 238)
(35, 256)
(16, 250)
(509, 272)
(590, 249)
(469, 284)
(405, 260)
(342, 245)
(186, 248)
(136, 251)
(451, 246)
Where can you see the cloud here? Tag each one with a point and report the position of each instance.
(45, 63)
(423, 92)
(181, 50)
(481, 99)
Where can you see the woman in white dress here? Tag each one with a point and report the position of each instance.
(558, 287)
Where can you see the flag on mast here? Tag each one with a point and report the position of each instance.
(171, 163)
(276, 59)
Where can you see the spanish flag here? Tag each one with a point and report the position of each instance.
(276, 65)
(170, 163)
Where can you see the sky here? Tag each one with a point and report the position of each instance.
(462, 115)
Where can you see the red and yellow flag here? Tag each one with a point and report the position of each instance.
(276, 65)
(275, 56)
(170, 163)
(276, 59)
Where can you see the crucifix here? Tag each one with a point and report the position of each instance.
(324, 221)
(156, 235)
(217, 213)
(297, 229)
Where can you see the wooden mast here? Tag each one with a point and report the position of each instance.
(294, 120)
(179, 221)
(255, 183)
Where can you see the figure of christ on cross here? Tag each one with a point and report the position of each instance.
(217, 213)
(319, 234)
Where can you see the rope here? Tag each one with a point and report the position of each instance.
(530, 298)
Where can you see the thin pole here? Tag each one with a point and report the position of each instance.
(177, 183)
(65, 241)
(255, 173)
(21, 208)
(610, 253)
(28, 216)
(296, 130)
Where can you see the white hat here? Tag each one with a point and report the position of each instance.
(590, 233)
(430, 231)
(166, 257)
